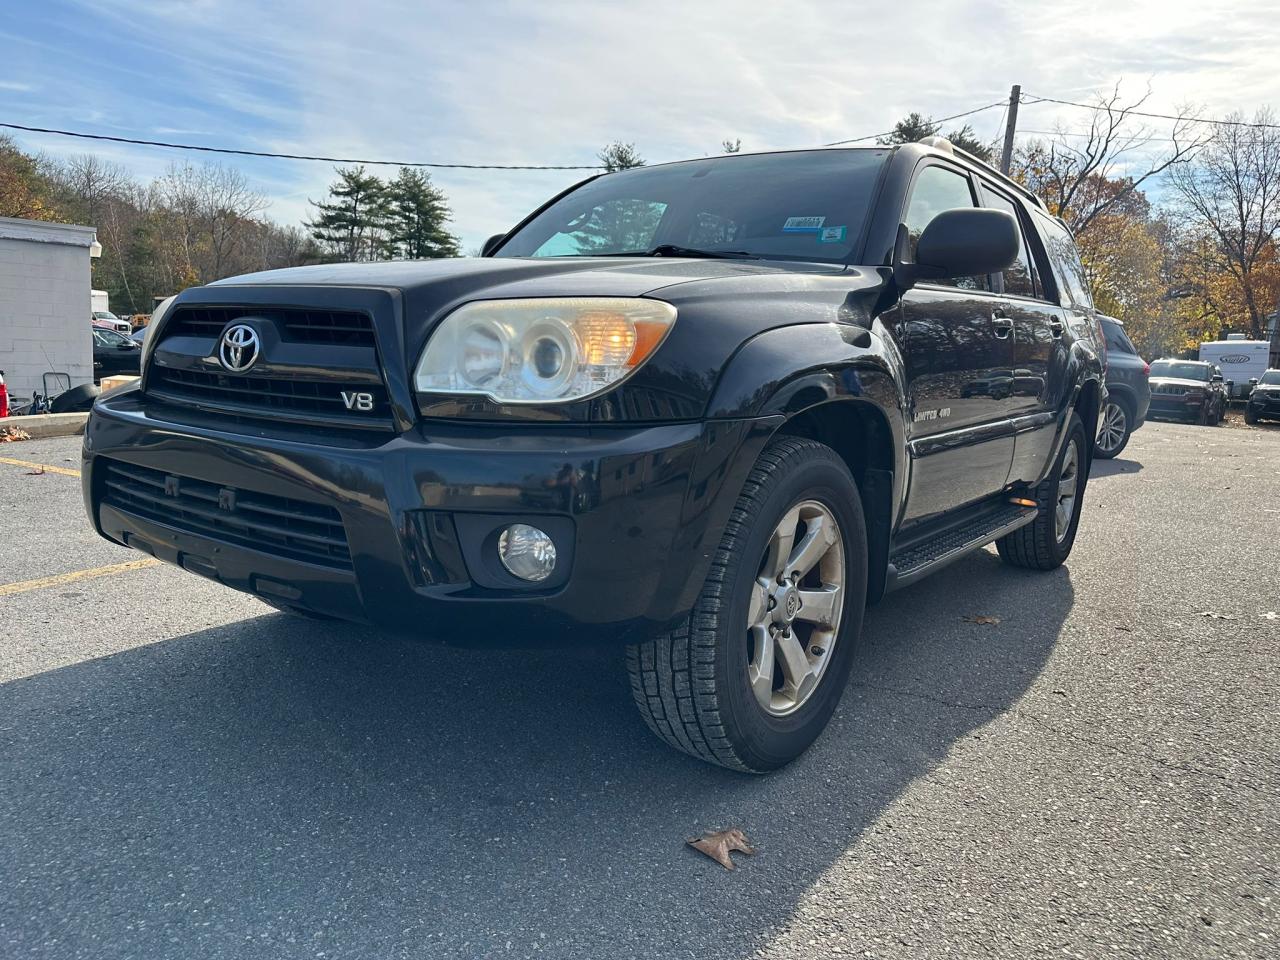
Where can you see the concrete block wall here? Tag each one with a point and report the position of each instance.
(44, 304)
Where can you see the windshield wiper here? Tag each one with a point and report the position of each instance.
(672, 250)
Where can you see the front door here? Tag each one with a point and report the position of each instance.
(959, 353)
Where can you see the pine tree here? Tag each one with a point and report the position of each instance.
(916, 126)
(620, 156)
(352, 224)
(418, 213)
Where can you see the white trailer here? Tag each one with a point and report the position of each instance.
(1240, 360)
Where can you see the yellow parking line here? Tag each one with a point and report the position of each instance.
(46, 467)
(25, 585)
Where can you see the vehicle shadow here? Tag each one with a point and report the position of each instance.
(1110, 468)
(280, 788)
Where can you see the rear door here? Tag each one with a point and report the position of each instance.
(1068, 313)
(958, 351)
(1038, 325)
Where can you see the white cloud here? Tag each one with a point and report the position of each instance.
(553, 82)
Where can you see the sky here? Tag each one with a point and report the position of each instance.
(551, 82)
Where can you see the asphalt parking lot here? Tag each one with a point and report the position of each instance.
(186, 773)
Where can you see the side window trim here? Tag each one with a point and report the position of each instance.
(974, 198)
(1040, 294)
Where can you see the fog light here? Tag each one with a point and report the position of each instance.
(527, 552)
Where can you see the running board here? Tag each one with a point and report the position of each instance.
(910, 564)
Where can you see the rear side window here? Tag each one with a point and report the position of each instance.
(938, 189)
(1019, 278)
(1064, 259)
(1117, 339)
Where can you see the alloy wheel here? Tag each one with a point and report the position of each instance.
(794, 613)
(1115, 422)
(1068, 490)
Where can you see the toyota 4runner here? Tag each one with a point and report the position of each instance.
(708, 409)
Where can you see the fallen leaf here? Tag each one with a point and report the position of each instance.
(39, 471)
(983, 619)
(1125, 629)
(717, 845)
(12, 434)
(1216, 616)
(1271, 615)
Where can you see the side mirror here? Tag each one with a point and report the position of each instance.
(1253, 381)
(1216, 378)
(492, 244)
(966, 242)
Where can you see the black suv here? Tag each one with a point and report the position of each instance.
(1187, 390)
(1128, 392)
(1264, 401)
(707, 409)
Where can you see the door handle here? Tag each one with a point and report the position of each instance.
(1002, 326)
(1055, 329)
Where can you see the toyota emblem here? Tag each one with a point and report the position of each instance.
(239, 347)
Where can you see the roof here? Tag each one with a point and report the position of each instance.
(40, 231)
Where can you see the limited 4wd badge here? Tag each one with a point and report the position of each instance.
(938, 414)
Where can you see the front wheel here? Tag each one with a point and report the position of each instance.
(1046, 542)
(752, 676)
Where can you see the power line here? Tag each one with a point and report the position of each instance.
(1155, 116)
(295, 156)
(954, 116)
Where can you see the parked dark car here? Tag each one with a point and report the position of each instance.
(1264, 401)
(708, 409)
(1128, 390)
(1187, 390)
(114, 353)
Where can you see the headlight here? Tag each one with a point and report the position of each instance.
(549, 350)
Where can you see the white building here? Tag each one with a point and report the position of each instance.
(44, 303)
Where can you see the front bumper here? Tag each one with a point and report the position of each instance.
(636, 511)
(1176, 407)
(1267, 406)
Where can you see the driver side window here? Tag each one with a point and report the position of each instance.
(937, 189)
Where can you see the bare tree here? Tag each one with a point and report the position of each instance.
(1230, 196)
(213, 208)
(1077, 171)
(85, 184)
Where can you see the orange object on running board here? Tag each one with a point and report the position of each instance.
(1023, 502)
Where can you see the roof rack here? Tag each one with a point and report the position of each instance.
(946, 146)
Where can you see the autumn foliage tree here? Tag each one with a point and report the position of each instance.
(1229, 201)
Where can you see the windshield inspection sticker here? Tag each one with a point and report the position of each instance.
(832, 234)
(803, 224)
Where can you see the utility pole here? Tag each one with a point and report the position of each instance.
(1015, 95)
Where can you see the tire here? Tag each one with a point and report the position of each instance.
(694, 685)
(1040, 545)
(76, 400)
(1218, 412)
(1105, 446)
(1250, 417)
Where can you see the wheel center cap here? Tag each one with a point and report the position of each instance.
(788, 603)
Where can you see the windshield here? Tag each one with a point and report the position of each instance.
(1271, 378)
(803, 205)
(104, 315)
(1182, 370)
(109, 338)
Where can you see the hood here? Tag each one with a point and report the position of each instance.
(1177, 382)
(520, 277)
